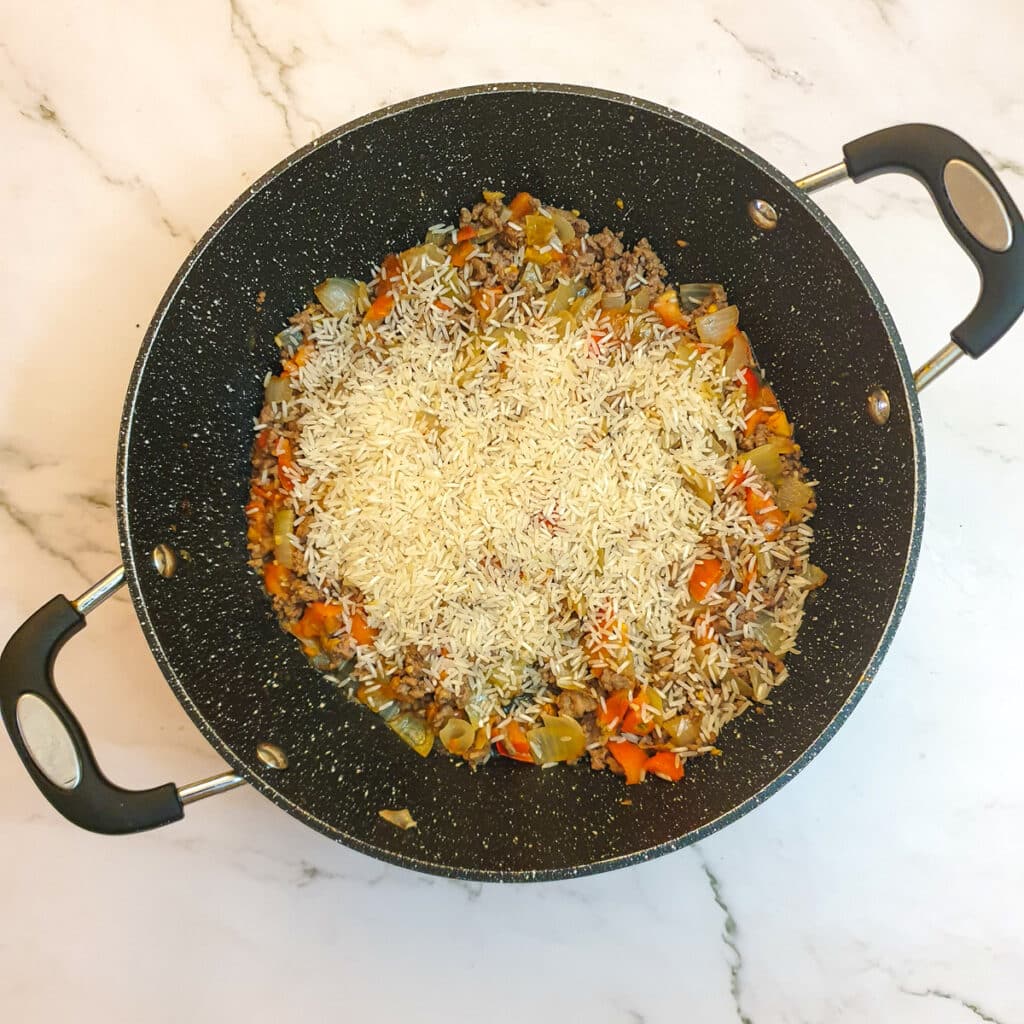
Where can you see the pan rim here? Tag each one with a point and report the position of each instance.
(242, 766)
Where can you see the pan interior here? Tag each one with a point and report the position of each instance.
(818, 328)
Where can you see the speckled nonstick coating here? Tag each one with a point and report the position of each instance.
(818, 326)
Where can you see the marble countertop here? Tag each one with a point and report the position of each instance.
(884, 884)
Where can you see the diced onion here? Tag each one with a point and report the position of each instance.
(815, 576)
(457, 735)
(613, 300)
(740, 354)
(793, 494)
(716, 328)
(684, 731)
(439, 236)
(289, 339)
(767, 632)
(284, 523)
(421, 261)
(401, 819)
(765, 459)
(278, 389)
(340, 295)
(563, 227)
(560, 739)
(562, 296)
(415, 731)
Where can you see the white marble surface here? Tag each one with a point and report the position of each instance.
(885, 884)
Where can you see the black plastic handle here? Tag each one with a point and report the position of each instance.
(93, 802)
(926, 152)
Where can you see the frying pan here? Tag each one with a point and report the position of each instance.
(820, 329)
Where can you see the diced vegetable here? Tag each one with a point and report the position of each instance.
(462, 252)
(815, 576)
(767, 632)
(699, 484)
(521, 205)
(485, 300)
(420, 262)
(319, 619)
(559, 739)
(643, 713)
(541, 257)
(341, 295)
(400, 819)
(514, 744)
(613, 300)
(631, 758)
(438, 236)
(740, 354)
(563, 227)
(466, 232)
(289, 339)
(616, 705)
(381, 306)
(361, 631)
(378, 696)
(284, 524)
(457, 735)
(765, 513)
(492, 197)
(766, 459)
(683, 731)
(667, 307)
(718, 327)
(586, 304)
(665, 765)
(641, 300)
(278, 389)
(413, 729)
(562, 296)
(793, 494)
(693, 295)
(275, 579)
(539, 229)
(705, 575)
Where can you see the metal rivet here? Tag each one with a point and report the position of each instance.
(879, 407)
(763, 214)
(272, 755)
(165, 561)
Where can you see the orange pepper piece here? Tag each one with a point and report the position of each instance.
(319, 619)
(380, 307)
(766, 514)
(521, 205)
(665, 765)
(751, 384)
(361, 631)
(632, 759)
(515, 744)
(485, 300)
(705, 575)
(466, 233)
(616, 706)
(461, 253)
(635, 725)
(667, 307)
(274, 578)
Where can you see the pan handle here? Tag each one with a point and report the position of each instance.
(976, 209)
(50, 741)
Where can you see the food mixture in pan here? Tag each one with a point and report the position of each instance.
(544, 501)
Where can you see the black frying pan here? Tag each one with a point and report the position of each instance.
(819, 327)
